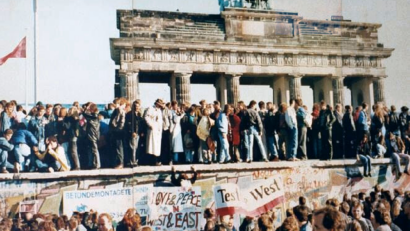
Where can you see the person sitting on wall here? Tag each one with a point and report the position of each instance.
(55, 160)
(363, 155)
(5, 147)
(23, 141)
(396, 149)
(183, 179)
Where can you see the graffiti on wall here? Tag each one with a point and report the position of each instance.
(316, 184)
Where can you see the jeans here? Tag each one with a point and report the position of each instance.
(292, 142)
(396, 161)
(380, 150)
(44, 165)
(189, 155)
(22, 158)
(367, 164)
(224, 156)
(175, 157)
(4, 164)
(250, 135)
(271, 143)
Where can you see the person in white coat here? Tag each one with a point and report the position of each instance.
(177, 145)
(153, 118)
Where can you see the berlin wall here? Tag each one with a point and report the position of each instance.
(243, 189)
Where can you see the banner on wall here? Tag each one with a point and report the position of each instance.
(112, 201)
(260, 197)
(228, 199)
(263, 195)
(175, 208)
(141, 196)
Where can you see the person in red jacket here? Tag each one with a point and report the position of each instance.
(234, 135)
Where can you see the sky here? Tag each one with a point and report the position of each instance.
(74, 52)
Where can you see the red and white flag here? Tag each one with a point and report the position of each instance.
(18, 52)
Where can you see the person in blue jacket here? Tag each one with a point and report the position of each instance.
(222, 125)
(24, 141)
(5, 148)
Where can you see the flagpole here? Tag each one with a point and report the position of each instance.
(25, 80)
(35, 50)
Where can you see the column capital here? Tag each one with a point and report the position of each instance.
(230, 74)
(183, 74)
(297, 75)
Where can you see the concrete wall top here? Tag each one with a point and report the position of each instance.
(142, 170)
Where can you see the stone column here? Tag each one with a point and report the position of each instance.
(182, 87)
(338, 90)
(221, 92)
(232, 88)
(378, 89)
(129, 85)
(295, 86)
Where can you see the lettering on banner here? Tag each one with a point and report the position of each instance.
(84, 200)
(263, 195)
(142, 198)
(175, 208)
(228, 199)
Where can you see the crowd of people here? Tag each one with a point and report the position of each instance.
(378, 211)
(51, 138)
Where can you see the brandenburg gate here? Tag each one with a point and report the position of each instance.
(248, 46)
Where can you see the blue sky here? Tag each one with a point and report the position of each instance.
(74, 53)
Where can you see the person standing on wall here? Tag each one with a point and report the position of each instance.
(326, 119)
(302, 129)
(153, 118)
(117, 132)
(337, 132)
(292, 124)
(271, 126)
(133, 129)
(253, 129)
(349, 129)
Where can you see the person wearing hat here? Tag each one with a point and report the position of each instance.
(153, 118)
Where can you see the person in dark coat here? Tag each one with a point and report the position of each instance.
(337, 133)
(326, 120)
(71, 125)
(116, 124)
(271, 126)
(133, 129)
(349, 129)
(393, 124)
(92, 135)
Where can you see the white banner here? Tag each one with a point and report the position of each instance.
(263, 195)
(112, 201)
(228, 199)
(174, 208)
